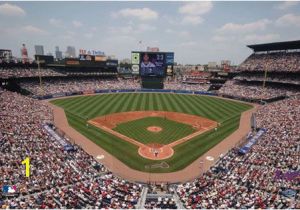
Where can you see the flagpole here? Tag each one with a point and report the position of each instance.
(140, 45)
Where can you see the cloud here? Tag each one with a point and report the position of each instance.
(34, 30)
(184, 34)
(24, 30)
(11, 10)
(120, 38)
(244, 28)
(56, 22)
(261, 38)
(132, 29)
(77, 24)
(145, 27)
(192, 20)
(221, 38)
(193, 11)
(142, 14)
(172, 20)
(286, 5)
(168, 30)
(245, 39)
(188, 44)
(288, 20)
(196, 8)
(68, 35)
(88, 35)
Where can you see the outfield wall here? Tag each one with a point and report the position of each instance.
(64, 94)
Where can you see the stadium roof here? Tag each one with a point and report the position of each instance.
(290, 45)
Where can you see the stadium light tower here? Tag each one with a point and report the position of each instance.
(265, 77)
(264, 82)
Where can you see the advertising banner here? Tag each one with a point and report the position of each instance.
(135, 58)
(135, 69)
(86, 57)
(72, 62)
(170, 70)
(100, 58)
(169, 58)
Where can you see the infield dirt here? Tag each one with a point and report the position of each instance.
(108, 122)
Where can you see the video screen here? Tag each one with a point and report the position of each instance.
(152, 64)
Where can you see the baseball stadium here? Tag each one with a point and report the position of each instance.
(88, 130)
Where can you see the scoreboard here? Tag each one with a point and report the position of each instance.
(152, 64)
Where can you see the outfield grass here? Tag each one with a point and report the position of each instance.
(82, 108)
(171, 130)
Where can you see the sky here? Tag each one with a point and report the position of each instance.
(198, 32)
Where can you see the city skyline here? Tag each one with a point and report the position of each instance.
(198, 32)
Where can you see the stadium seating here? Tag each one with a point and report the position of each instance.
(183, 86)
(59, 178)
(69, 85)
(28, 72)
(249, 181)
(244, 90)
(262, 177)
(273, 62)
(282, 77)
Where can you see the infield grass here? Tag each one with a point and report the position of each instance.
(83, 108)
(171, 130)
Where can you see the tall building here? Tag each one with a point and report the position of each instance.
(152, 49)
(58, 54)
(70, 52)
(39, 49)
(24, 53)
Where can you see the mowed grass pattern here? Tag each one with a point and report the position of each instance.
(82, 108)
(171, 130)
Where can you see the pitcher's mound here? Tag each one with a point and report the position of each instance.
(154, 129)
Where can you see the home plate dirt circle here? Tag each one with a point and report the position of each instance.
(156, 151)
(154, 129)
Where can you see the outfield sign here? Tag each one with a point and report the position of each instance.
(135, 58)
(91, 52)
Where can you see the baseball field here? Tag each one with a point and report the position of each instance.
(144, 129)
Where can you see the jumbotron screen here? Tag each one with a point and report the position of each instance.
(151, 64)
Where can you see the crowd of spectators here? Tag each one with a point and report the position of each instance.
(185, 86)
(195, 81)
(160, 203)
(27, 72)
(250, 180)
(272, 62)
(74, 179)
(255, 92)
(57, 86)
(58, 178)
(285, 79)
(69, 85)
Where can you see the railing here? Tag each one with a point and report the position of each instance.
(141, 202)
